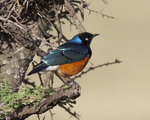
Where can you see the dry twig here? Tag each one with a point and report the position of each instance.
(99, 12)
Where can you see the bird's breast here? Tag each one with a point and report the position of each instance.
(71, 69)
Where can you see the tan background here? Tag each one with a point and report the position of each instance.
(119, 91)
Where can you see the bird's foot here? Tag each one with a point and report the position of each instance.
(71, 81)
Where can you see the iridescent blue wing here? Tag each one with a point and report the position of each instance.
(66, 53)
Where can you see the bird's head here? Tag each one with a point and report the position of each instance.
(84, 38)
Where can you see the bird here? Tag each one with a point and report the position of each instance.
(69, 58)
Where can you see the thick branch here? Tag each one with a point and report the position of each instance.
(46, 103)
(75, 18)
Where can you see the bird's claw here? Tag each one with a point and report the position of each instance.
(71, 80)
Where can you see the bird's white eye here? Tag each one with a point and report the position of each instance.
(86, 39)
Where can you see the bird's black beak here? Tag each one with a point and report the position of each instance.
(95, 35)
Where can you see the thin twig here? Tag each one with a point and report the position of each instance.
(6, 31)
(16, 51)
(33, 61)
(50, 44)
(105, 1)
(59, 26)
(51, 114)
(38, 116)
(99, 12)
(13, 6)
(71, 113)
(92, 68)
(3, 19)
(15, 19)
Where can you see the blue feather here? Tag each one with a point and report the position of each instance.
(76, 39)
(66, 53)
(38, 68)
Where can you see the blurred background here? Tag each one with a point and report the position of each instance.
(119, 91)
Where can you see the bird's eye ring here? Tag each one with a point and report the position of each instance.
(86, 39)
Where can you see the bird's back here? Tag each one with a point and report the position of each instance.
(66, 53)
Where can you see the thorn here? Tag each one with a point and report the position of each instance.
(91, 63)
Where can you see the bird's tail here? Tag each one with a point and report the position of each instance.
(38, 68)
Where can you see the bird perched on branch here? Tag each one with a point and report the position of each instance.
(69, 58)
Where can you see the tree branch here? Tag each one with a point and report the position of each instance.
(75, 18)
(95, 67)
(46, 103)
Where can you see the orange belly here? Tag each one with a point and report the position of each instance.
(74, 68)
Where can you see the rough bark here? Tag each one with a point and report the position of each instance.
(46, 103)
(19, 42)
